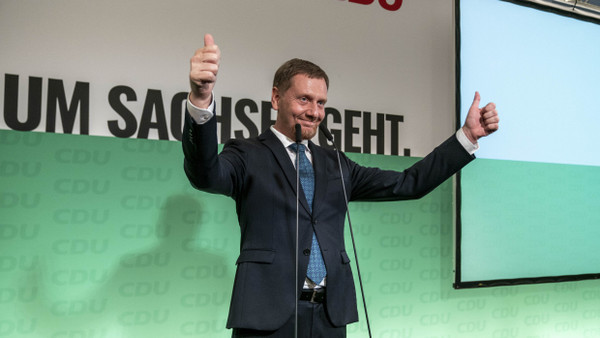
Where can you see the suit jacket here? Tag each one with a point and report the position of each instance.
(258, 174)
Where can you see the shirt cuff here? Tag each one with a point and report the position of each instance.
(201, 115)
(465, 142)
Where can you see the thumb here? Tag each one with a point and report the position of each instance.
(476, 100)
(208, 40)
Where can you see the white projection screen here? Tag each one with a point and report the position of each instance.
(528, 209)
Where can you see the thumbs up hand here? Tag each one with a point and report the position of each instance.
(480, 122)
(204, 66)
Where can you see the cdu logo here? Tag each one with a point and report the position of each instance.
(385, 4)
(20, 169)
(11, 328)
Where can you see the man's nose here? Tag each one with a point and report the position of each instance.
(313, 110)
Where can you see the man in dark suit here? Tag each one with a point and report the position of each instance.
(260, 175)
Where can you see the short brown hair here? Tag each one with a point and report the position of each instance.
(289, 69)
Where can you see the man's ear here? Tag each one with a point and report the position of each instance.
(275, 98)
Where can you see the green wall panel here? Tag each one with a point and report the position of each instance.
(104, 237)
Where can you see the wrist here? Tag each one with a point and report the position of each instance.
(200, 100)
(469, 135)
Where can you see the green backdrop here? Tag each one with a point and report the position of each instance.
(104, 237)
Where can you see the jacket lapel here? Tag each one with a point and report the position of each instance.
(283, 160)
(321, 174)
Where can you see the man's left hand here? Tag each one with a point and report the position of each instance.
(480, 122)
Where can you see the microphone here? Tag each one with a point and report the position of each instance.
(327, 134)
(298, 141)
(299, 133)
(329, 137)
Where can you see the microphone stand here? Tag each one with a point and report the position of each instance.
(298, 141)
(362, 292)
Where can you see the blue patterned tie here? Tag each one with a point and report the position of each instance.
(316, 266)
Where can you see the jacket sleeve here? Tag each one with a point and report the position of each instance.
(205, 168)
(373, 184)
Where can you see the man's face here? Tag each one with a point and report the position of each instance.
(303, 103)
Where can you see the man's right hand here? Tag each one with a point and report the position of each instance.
(204, 66)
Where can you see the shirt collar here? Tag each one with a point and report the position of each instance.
(286, 141)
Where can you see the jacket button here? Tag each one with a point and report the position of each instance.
(306, 252)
